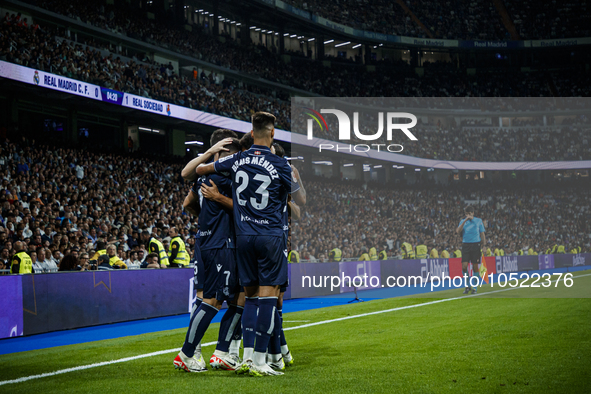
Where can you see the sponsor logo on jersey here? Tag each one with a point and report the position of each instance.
(219, 267)
(244, 218)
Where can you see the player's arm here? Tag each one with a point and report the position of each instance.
(174, 250)
(188, 173)
(191, 203)
(483, 241)
(222, 165)
(298, 196)
(460, 228)
(293, 210)
(212, 193)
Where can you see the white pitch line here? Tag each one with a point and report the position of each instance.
(82, 367)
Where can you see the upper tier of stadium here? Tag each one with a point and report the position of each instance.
(97, 61)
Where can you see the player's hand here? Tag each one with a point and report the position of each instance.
(210, 192)
(220, 146)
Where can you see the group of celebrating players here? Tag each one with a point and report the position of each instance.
(244, 193)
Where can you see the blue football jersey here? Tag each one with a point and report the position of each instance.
(215, 222)
(261, 183)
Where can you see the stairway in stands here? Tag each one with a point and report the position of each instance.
(402, 4)
(507, 21)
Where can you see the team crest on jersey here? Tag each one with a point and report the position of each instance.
(36, 77)
(257, 152)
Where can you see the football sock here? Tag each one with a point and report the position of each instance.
(237, 337)
(281, 335)
(465, 274)
(265, 325)
(227, 326)
(284, 348)
(199, 322)
(249, 321)
(275, 341)
(197, 348)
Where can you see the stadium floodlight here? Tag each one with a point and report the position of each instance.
(375, 46)
(270, 32)
(293, 35)
(400, 167)
(356, 46)
(348, 165)
(417, 169)
(276, 34)
(286, 34)
(366, 169)
(381, 45)
(193, 143)
(238, 24)
(263, 31)
(257, 29)
(326, 163)
(311, 39)
(253, 27)
(219, 17)
(299, 37)
(233, 22)
(201, 10)
(328, 42)
(342, 44)
(144, 129)
(378, 166)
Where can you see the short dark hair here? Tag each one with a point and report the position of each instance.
(468, 208)
(279, 151)
(262, 122)
(234, 145)
(246, 141)
(151, 256)
(146, 233)
(220, 134)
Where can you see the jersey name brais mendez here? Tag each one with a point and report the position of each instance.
(261, 182)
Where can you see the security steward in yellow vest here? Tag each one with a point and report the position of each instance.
(293, 256)
(364, 255)
(335, 255)
(101, 249)
(156, 247)
(532, 252)
(177, 254)
(408, 252)
(434, 254)
(114, 260)
(560, 249)
(21, 262)
(445, 254)
(421, 251)
(458, 253)
(373, 254)
(383, 255)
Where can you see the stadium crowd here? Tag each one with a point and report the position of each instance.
(355, 218)
(38, 48)
(466, 19)
(58, 202)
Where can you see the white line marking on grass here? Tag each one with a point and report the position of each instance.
(122, 360)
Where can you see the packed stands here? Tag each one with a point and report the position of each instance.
(353, 217)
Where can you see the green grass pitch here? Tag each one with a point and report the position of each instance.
(493, 344)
